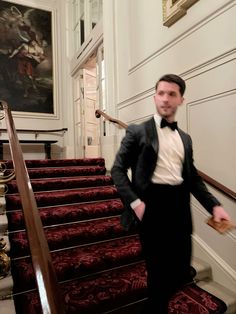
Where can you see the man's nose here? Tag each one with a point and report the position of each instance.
(165, 98)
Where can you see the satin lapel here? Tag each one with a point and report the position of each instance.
(185, 140)
(151, 133)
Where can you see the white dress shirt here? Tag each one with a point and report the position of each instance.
(170, 158)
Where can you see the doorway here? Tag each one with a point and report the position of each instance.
(88, 96)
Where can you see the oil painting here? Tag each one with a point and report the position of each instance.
(26, 52)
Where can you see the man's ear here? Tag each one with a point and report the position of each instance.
(182, 101)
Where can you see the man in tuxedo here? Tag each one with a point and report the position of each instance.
(157, 197)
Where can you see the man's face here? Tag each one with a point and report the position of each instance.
(167, 99)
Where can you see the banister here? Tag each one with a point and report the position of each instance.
(48, 288)
(99, 113)
(37, 131)
(217, 185)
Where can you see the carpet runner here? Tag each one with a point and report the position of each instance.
(98, 264)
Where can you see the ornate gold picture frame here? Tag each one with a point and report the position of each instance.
(173, 10)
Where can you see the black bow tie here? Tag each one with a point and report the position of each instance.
(172, 125)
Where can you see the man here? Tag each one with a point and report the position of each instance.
(157, 198)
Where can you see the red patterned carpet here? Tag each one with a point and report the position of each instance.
(98, 264)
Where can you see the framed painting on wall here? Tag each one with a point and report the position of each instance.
(173, 10)
(26, 59)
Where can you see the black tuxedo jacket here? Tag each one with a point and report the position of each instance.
(139, 152)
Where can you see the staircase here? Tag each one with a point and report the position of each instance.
(99, 265)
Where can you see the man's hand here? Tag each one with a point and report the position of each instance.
(220, 214)
(139, 210)
(220, 220)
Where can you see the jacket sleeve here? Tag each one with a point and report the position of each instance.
(198, 187)
(126, 159)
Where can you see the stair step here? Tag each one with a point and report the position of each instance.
(80, 261)
(203, 269)
(53, 184)
(114, 289)
(6, 286)
(228, 296)
(2, 205)
(96, 295)
(70, 235)
(13, 201)
(60, 214)
(45, 163)
(64, 172)
(7, 307)
(3, 223)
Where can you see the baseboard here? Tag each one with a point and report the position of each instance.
(221, 271)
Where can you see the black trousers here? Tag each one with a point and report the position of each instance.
(165, 234)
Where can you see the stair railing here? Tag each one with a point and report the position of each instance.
(37, 132)
(48, 288)
(217, 185)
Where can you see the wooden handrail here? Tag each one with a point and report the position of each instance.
(217, 185)
(49, 292)
(99, 113)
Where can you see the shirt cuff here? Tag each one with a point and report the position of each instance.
(135, 203)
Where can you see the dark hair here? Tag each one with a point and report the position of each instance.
(173, 78)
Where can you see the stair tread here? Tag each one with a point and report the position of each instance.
(6, 285)
(34, 163)
(220, 291)
(3, 223)
(7, 307)
(43, 184)
(64, 197)
(55, 215)
(203, 269)
(74, 234)
(64, 171)
(115, 288)
(2, 205)
(96, 295)
(76, 262)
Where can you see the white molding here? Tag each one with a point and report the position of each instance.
(218, 60)
(89, 46)
(182, 36)
(201, 211)
(136, 98)
(207, 65)
(210, 98)
(222, 272)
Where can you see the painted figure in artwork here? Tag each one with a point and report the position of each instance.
(28, 55)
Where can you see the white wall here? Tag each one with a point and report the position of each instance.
(201, 47)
